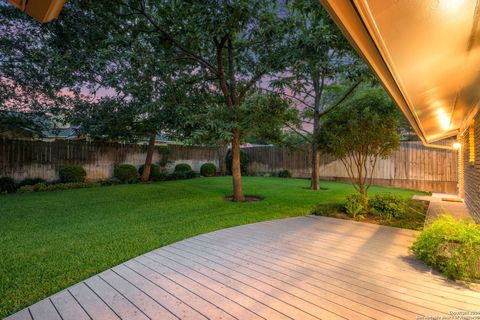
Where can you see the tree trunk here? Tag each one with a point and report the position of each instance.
(315, 182)
(361, 188)
(148, 161)
(222, 152)
(318, 82)
(236, 171)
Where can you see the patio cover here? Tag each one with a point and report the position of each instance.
(426, 53)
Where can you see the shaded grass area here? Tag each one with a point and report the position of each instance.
(51, 240)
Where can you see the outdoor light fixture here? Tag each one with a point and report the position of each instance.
(41, 10)
(457, 145)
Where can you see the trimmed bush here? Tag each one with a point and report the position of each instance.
(31, 181)
(7, 185)
(73, 173)
(284, 174)
(126, 173)
(244, 161)
(387, 205)
(181, 175)
(183, 167)
(451, 246)
(208, 170)
(155, 172)
(39, 187)
(190, 174)
(161, 176)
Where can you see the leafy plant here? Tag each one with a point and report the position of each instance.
(155, 172)
(39, 187)
(244, 161)
(72, 173)
(181, 175)
(354, 206)
(387, 205)
(7, 185)
(284, 174)
(451, 246)
(31, 181)
(183, 167)
(126, 173)
(208, 170)
(359, 133)
(327, 209)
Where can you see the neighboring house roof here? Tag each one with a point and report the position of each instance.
(67, 133)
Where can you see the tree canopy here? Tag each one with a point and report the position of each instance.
(359, 133)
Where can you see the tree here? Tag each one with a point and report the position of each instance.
(323, 71)
(145, 100)
(233, 43)
(31, 80)
(83, 54)
(359, 133)
(260, 116)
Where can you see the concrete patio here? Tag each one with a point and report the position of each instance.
(298, 268)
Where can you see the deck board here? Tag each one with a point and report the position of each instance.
(296, 268)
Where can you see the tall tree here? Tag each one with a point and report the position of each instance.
(323, 71)
(233, 43)
(146, 97)
(360, 133)
(31, 80)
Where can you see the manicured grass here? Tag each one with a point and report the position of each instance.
(51, 240)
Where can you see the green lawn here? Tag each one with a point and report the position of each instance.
(51, 240)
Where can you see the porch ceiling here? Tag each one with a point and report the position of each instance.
(425, 52)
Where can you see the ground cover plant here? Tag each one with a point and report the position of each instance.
(51, 240)
(451, 246)
(395, 210)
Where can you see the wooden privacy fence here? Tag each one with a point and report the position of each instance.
(20, 159)
(413, 166)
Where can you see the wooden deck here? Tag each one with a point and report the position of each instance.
(298, 268)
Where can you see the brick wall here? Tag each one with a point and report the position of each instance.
(471, 167)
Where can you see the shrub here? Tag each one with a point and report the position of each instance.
(126, 173)
(181, 175)
(7, 185)
(354, 206)
(39, 187)
(109, 182)
(155, 172)
(284, 174)
(244, 161)
(161, 176)
(327, 210)
(182, 167)
(387, 205)
(190, 174)
(208, 170)
(73, 173)
(176, 175)
(451, 246)
(31, 181)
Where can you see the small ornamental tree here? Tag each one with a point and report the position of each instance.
(359, 133)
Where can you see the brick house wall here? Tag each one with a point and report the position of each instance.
(471, 167)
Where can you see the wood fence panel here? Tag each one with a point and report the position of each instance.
(412, 166)
(20, 159)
